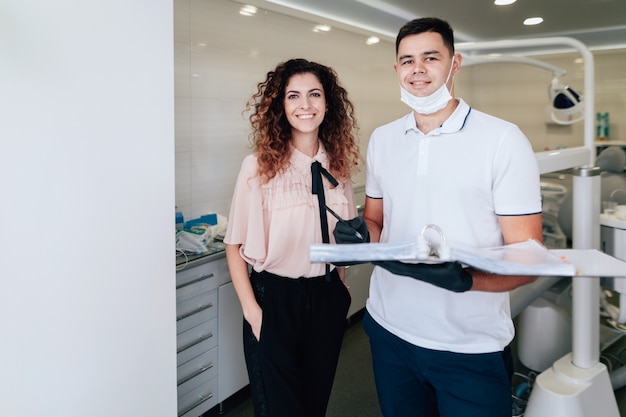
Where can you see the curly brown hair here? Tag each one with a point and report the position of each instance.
(271, 131)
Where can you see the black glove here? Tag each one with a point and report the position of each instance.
(351, 231)
(448, 275)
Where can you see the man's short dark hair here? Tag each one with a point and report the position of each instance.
(427, 24)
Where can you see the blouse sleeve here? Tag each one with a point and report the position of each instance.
(245, 222)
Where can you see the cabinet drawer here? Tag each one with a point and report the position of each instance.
(194, 351)
(197, 318)
(209, 270)
(203, 303)
(195, 287)
(195, 335)
(197, 395)
(207, 362)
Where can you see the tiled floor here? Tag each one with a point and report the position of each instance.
(354, 393)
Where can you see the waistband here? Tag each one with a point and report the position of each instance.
(279, 279)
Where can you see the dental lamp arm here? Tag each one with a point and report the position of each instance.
(570, 100)
(470, 60)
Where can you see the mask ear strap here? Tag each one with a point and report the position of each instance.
(450, 72)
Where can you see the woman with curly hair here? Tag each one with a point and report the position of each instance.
(303, 138)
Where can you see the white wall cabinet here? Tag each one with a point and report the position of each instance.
(210, 361)
(358, 276)
(232, 372)
(358, 281)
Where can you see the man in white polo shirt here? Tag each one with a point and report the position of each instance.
(440, 340)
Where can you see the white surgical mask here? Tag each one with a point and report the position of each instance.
(429, 104)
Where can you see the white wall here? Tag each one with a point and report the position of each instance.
(87, 274)
(221, 55)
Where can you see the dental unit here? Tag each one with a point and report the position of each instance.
(577, 385)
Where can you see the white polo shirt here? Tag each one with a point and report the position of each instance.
(460, 176)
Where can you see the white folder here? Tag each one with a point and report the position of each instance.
(524, 258)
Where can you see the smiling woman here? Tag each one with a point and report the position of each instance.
(303, 130)
(305, 107)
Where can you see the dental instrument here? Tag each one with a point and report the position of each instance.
(339, 219)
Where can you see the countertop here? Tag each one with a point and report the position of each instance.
(216, 250)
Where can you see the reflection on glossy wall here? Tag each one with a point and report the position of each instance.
(220, 56)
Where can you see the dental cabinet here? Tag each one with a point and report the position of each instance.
(210, 361)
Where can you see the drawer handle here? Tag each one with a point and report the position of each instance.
(202, 338)
(196, 373)
(202, 399)
(195, 311)
(203, 277)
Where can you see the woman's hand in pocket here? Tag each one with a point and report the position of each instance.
(255, 320)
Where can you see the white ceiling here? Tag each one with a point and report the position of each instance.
(599, 24)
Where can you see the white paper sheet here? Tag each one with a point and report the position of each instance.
(593, 263)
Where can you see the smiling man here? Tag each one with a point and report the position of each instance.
(440, 333)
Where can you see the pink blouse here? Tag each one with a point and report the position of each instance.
(276, 222)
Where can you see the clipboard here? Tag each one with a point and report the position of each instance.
(524, 258)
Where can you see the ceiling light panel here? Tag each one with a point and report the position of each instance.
(248, 10)
(533, 21)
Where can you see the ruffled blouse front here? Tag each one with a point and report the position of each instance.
(276, 222)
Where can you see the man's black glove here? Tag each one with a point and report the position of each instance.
(351, 231)
(448, 275)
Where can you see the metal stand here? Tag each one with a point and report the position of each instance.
(565, 390)
(578, 385)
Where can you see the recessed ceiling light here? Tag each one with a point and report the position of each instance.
(372, 40)
(248, 10)
(321, 28)
(533, 21)
(503, 2)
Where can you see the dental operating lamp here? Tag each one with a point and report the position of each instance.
(567, 104)
(577, 385)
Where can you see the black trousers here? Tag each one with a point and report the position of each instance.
(292, 366)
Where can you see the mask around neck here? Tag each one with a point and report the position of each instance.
(429, 104)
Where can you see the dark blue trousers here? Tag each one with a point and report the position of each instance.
(415, 382)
